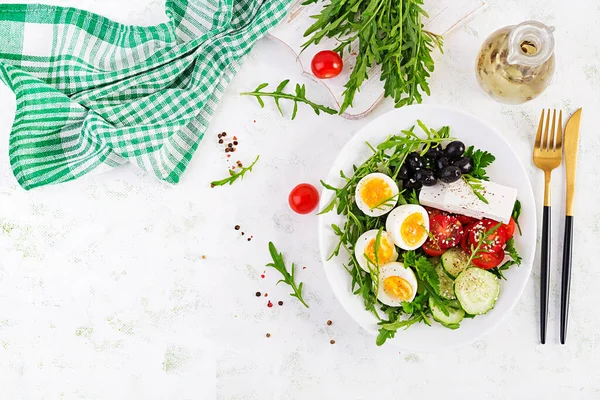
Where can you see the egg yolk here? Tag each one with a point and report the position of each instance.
(412, 229)
(384, 253)
(398, 288)
(375, 191)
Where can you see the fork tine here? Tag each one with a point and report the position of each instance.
(546, 138)
(552, 138)
(559, 135)
(538, 137)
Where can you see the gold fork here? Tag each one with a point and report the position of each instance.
(547, 155)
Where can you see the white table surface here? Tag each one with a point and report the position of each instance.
(104, 293)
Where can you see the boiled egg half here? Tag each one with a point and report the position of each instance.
(397, 283)
(408, 225)
(376, 194)
(366, 245)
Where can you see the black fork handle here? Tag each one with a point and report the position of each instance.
(545, 274)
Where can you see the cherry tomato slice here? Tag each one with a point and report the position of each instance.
(304, 198)
(488, 260)
(509, 228)
(496, 240)
(447, 230)
(432, 249)
(466, 220)
(326, 64)
(432, 212)
(464, 242)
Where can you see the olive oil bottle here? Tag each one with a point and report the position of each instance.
(516, 63)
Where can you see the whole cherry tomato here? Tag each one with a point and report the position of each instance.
(304, 198)
(326, 64)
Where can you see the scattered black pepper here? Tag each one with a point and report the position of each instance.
(280, 302)
(237, 228)
(235, 142)
(249, 239)
(329, 322)
(268, 335)
(332, 341)
(220, 141)
(242, 233)
(220, 135)
(229, 145)
(224, 134)
(258, 294)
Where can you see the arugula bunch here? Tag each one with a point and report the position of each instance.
(388, 34)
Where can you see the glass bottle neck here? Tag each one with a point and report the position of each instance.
(530, 43)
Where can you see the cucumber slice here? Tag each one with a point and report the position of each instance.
(446, 284)
(477, 290)
(454, 261)
(455, 315)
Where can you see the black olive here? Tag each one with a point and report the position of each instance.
(404, 172)
(434, 152)
(455, 149)
(412, 183)
(426, 177)
(450, 174)
(413, 160)
(465, 164)
(428, 162)
(442, 163)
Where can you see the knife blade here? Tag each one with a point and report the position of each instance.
(570, 148)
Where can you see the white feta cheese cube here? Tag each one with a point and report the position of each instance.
(458, 198)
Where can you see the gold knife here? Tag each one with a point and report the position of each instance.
(571, 142)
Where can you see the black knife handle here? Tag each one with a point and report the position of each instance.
(545, 274)
(566, 278)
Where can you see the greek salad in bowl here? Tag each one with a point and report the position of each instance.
(427, 234)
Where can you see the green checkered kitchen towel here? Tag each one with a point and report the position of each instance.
(94, 94)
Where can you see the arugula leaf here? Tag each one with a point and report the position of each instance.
(288, 277)
(233, 176)
(476, 187)
(298, 97)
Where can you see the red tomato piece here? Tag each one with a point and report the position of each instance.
(447, 230)
(488, 260)
(326, 64)
(496, 240)
(304, 198)
(464, 242)
(432, 212)
(432, 249)
(509, 228)
(466, 220)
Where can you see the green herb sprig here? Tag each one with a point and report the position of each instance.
(234, 176)
(298, 97)
(385, 33)
(288, 277)
(481, 160)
